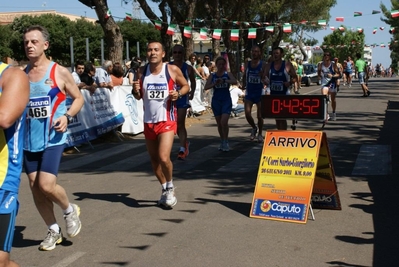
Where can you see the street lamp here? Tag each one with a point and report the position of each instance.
(201, 44)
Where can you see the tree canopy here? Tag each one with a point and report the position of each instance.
(394, 30)
(337, 43)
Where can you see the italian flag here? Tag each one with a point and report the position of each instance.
(171, 29)
(217, 33)
(357, 14)
(382, 28)
(252, 33)
(360, 30)
(341, 29)
(375, 30)
(128, 17)
(158, 24)
(287, 28)
(395, 13)
(322, 22)
(203, 33)
(234, 35)
(304, 22)
(332, 28)
(187, 32)
(339, 18)
(270, 28)
(382, 45)
(392, 29)
(108, 14)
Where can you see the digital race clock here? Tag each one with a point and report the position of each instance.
(294, 106)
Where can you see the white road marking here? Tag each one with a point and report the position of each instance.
(69, 260)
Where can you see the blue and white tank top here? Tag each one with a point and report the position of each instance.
(11, 150)
(155, 88)
(46, 103)
(254, 79)
(277, 79)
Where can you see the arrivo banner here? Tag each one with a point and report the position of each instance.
(286, 175)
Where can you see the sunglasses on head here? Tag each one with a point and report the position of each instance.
(177, 52)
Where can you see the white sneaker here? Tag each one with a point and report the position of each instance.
(171, 199)
(73, 224)
(333, 117)
(226, 147)
(253, 133)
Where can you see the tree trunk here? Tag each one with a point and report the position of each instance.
(112, 33)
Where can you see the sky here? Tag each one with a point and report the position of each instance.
(344, 8)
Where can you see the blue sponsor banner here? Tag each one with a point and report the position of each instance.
(279, 210)
(97, 116)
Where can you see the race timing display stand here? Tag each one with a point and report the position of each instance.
(295, 171)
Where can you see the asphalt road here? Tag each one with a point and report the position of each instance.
(210, 226)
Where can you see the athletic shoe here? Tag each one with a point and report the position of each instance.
(187, 148)
(253, 133)
(221, 146)
(333, 117)
(171, 199)
(73, 224)
(52, 239)
(226, 147)
(297, 92)
(328, 117)
(162, 200)
(350, 85)
(368, 92)
(181, 155)
(260, 138)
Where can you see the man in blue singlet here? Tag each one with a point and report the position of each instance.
(253, 85)
(280, 75)
(47, 122)
(183, 102)
(14, 95)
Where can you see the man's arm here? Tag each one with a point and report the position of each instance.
(292, 72)
(14, 97)
(244, 77)
(180, 80)
(265, 75)
(136, 86)
(193, 83)
(68, 86)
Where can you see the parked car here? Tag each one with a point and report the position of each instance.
(310, 74)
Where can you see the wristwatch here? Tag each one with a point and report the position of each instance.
(179, 95)
(69, 118)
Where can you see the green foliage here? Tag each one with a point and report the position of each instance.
(342, 44)
(136, 31)
(5, 33)
(81, 30)
(59, 28)
(394, 23)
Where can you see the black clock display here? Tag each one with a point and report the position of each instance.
(294, 106)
